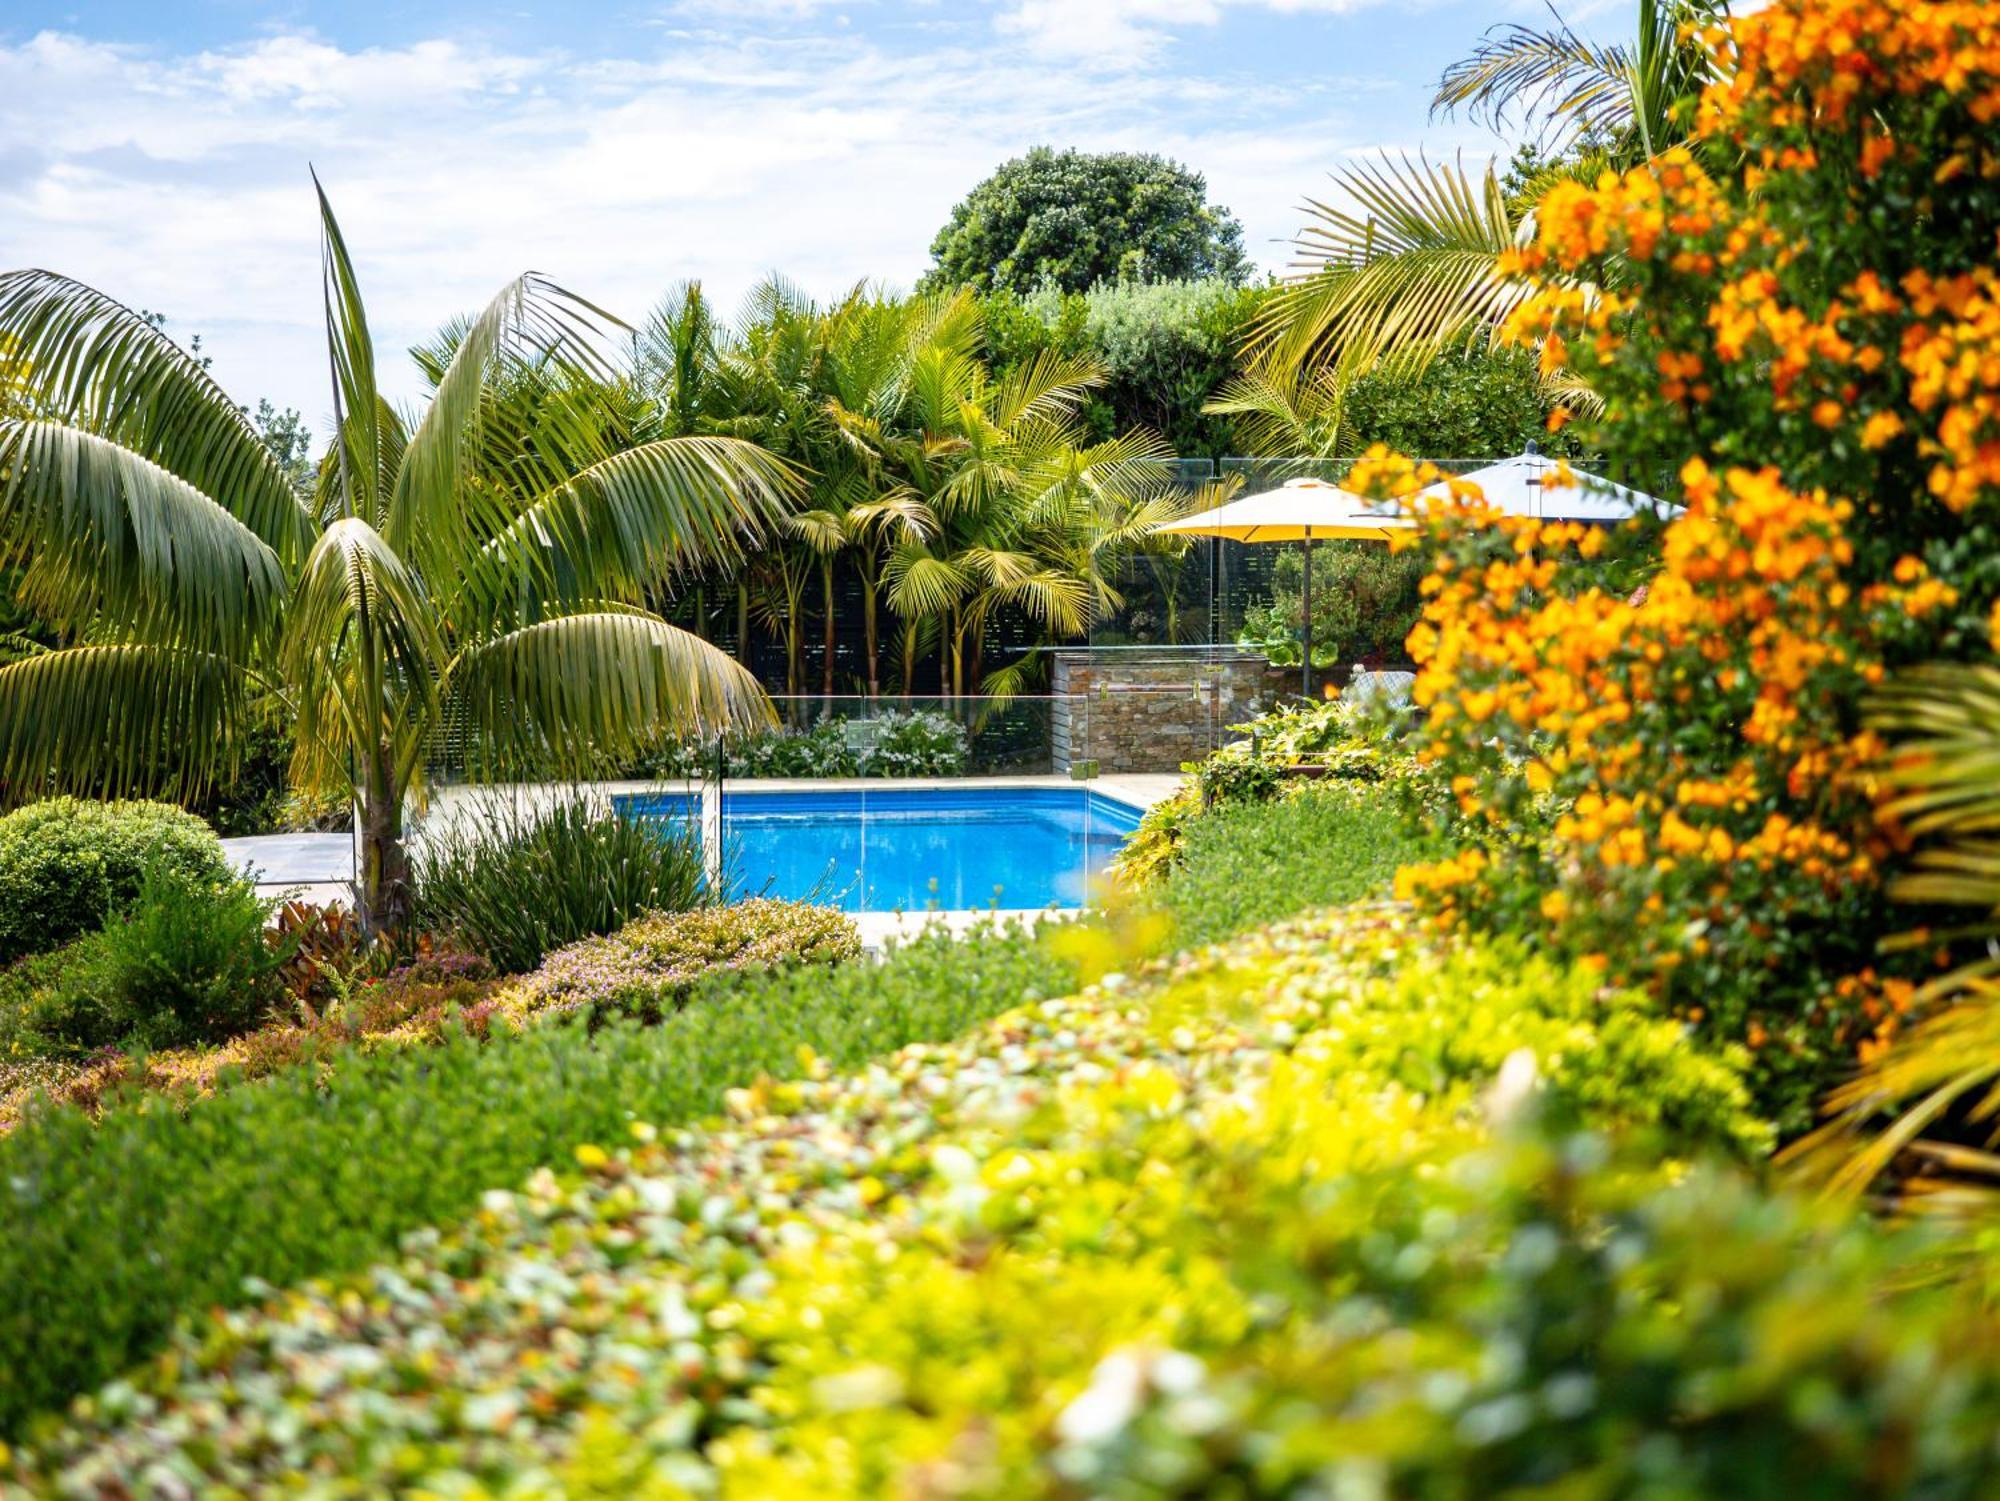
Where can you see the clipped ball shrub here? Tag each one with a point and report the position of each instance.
(65, 863)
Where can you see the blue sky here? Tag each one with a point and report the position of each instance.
(160, 150)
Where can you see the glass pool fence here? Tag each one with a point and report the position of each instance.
(889, 804)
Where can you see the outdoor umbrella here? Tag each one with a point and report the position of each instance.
(1519, 487)
(1300, 510)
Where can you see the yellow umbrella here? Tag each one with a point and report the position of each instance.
(1300, 510)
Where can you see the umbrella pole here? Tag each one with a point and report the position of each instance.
(1306, 623)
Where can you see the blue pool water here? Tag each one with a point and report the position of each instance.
(955, 848)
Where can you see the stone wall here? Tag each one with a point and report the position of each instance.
(1146, 710)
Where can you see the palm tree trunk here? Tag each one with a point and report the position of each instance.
(826, 598)
(743, 621)
(384, 899)
(870, 631)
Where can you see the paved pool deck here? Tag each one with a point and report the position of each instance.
(320, 867)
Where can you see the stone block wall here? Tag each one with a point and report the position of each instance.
(1142, 710)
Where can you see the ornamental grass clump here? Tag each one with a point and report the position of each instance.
(515, 881)
(1798, 313)
(1329, 1213)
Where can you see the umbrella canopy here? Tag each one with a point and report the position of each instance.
(1300, 510)
(1518, 487)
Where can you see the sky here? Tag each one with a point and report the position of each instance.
(161, 151)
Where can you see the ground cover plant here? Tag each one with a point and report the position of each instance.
(120, 1225)
(1798, 306)
(646, 970)
(1328, 1212)
(1314, 845)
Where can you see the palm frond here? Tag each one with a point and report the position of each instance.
(1412, 267)
(1287, 411)
(901, 513)
(577, 691)
(1047, 385)
(1944, 772)
(532, 319)
(1581, 86)
(362, 476)
(89, 361)
(634, 519)
(119, 720)
(108, 536)
(362, 647)
(824, 532)
(921, 585)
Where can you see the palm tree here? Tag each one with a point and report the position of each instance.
(1413, 266)
(1631, 102)
(680, 363)
(473, 575)
(1016, 508)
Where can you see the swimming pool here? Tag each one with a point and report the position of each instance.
(908, 849)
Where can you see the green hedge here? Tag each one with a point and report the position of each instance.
(116, 1229)
(1249, 863)
(65, 862)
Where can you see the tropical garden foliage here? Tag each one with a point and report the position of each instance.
(1730, 843)
(1469, 1195)
(477, 575)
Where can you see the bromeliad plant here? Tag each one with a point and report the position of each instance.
(475, 575)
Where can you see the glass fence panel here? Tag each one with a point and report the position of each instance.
(961, 805)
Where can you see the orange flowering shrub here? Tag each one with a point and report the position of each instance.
(1803, 312)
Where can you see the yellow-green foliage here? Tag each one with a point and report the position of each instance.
(1245, 1228)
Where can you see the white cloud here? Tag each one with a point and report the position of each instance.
(179, 182)
(1130, 33)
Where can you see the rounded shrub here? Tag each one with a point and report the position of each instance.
(65, 863)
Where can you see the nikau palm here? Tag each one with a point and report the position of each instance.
(465, 580)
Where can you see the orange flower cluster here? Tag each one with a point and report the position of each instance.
(1660, 738)
(1953, 359)
(1788, 63)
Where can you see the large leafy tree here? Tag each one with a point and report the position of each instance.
(470, 577)
(1073, 219)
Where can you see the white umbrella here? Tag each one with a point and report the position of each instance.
(1300, 510)
(1519, 487)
